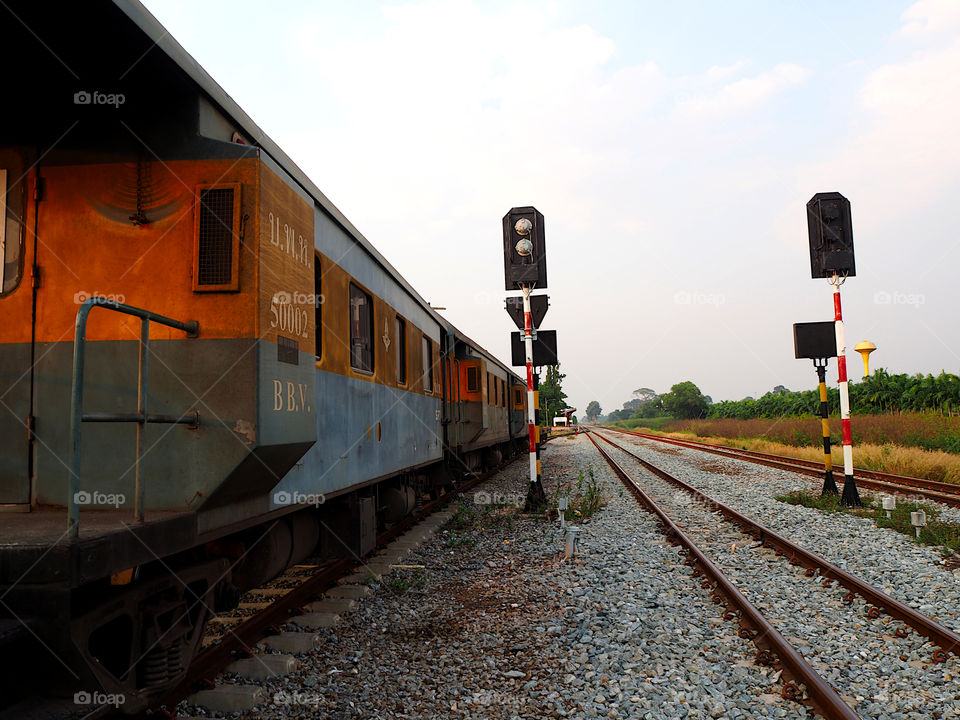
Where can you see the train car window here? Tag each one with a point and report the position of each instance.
(217, 238)
(503, 393)
(317, 303)
(518, 397)
(11, 235)
(473, 379)
(361, 330)
(427, 365)
(401, 351)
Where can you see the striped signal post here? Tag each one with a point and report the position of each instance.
(829, 484)
(535, 495)
(850, 495)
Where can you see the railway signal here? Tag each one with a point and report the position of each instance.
(525, 267)
(830, 231)
(818, 342)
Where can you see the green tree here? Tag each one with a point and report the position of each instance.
(685, 401)
(552, 397)
(593, 410)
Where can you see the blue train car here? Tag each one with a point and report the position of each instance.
(207, 372)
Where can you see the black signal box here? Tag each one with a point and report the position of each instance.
(544, 349)
(831, 236)
(538, 308)
(530, 269)
(815, 340)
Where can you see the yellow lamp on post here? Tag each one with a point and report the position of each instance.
(865, 347)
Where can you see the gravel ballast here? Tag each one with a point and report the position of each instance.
(497, 624)
(883, 675)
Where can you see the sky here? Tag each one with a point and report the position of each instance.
(671, 146)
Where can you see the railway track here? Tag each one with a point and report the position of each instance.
(237, 641)
(946, 493)
(229, 643)
(699, 519)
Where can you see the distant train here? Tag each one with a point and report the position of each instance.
(292, 395)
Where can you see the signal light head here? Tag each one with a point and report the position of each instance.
(523, 227)
(524, 246)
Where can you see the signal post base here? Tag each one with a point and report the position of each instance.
(536, 497)
(850, 497)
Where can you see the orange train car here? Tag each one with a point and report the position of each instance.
(207, 373)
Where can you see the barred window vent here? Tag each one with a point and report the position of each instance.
(215, 237)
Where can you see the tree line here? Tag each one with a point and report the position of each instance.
(878, 394)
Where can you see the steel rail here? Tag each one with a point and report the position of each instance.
(950, 488)
(946, 493)
(824, 698)
(238, 641)
(948, 640)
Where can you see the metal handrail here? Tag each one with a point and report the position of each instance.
(141, 417)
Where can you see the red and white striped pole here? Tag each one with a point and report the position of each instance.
(850, 495)
(535, 496)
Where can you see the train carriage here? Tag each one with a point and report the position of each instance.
(258, 383)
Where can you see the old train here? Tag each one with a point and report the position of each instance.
(207, 373)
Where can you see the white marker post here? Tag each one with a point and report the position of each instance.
(531, 404)
(850, 497)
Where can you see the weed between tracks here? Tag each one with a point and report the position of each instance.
(938, 533)
(584, 497)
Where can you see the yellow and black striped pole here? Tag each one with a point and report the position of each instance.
(829, 484)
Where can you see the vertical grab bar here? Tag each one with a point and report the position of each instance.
(191, 328)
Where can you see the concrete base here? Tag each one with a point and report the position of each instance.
(379, 568)
(263, 667)
(229, 698)
(315, 620)
(331, 605)
(361, 576)
(292, 642)
(353, 592)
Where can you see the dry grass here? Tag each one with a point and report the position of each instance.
(921, 430)
(915, 462)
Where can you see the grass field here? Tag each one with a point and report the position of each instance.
(768, 436)
(920, 430)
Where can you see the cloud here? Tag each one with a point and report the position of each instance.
(931, 16)
(746, 93)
